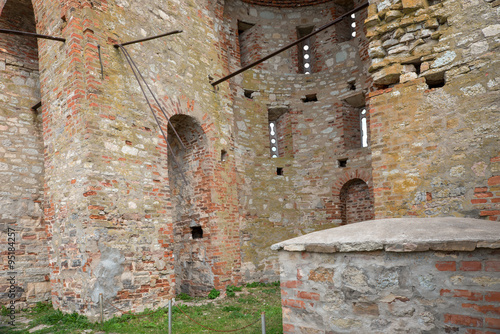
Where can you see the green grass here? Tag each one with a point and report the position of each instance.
(222, 314)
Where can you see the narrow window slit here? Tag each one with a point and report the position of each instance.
(223, 155)
(279, 171)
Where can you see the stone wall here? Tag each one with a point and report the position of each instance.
(317, 121)
(434, 121)
(402, 279)
(21, 162)
(107, 197)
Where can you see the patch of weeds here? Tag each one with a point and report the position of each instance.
(248, 300)
(233, 288)
(184, 296)
(4, 311)
(231, 308)
(213, 294)
(261, 284)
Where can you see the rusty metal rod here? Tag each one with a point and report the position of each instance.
(147, 38)
(151, 108)
(31, 34)
(257, 62)
(154, 97)
(36, 106)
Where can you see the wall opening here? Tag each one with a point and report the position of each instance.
(193, 163)
(279, 171)
(342, 162)
(247, 42)
(356, 202)
(310, 98)
(280, 132)
(305, 50)
(248, 93)
(223, 155)
(196, 232)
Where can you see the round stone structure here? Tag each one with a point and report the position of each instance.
(411, 275)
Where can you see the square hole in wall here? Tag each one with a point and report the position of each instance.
(248, 93)
(342, 163)
(279, 171)
(310, 98)
(196, 232)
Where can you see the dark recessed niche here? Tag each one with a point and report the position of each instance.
(248, 93)
(196, 232)
(342, 163)
(352, 85)
(244, 26)
(310, 98)
(435, 81)
(223, 155)
(279, 171)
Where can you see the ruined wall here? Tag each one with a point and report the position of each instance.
(108, 207)
(407, 275)
(23, 239)
(434, 122)
(309, 111)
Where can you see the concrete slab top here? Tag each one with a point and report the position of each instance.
(400, 235)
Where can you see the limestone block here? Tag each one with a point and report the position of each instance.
(398, 33)
(372, 10)
(388, 75)
(393, 15)
(405, 77)
(407, 37)
(390, 42)
(431, 24)
(376, 52)
(372, 21)
(410, 5)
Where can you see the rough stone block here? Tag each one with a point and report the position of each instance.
(411, 5)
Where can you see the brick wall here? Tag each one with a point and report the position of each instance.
(275, 207)
(21, 161)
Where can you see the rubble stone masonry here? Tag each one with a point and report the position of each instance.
(102, 205)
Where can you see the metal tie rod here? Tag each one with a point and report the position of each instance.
(31, 34)
(148, 38)
(328, 25)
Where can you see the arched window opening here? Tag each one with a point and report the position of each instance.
(356, 202)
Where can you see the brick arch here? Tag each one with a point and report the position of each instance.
(334, 206)
(190, 169)
(356, 202)
(364, 175)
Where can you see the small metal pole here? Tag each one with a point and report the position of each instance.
(100, 304)
(170, 316)
(263, 320)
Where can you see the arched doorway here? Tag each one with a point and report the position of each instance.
(356, 202)
(190, 168)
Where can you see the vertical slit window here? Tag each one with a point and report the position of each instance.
(353, 25)
(364, 128)
(273, 136)
(305, 50)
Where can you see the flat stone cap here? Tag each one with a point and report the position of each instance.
(400, 235)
